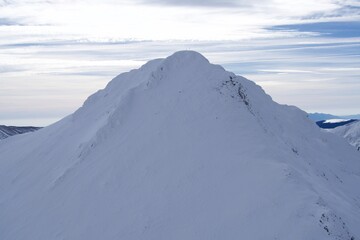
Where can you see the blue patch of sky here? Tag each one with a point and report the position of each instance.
(7, 22)
(331, 29)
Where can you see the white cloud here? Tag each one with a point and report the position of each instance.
(131, 20)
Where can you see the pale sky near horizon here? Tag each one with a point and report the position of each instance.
(55, 53)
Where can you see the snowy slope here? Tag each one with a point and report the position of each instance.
(180, 149)
(7, 131)
(351, 132)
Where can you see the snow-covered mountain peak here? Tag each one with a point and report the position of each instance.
(190, 60)
(180, 71)
(180, 149)
(186, 57)
(182, 62)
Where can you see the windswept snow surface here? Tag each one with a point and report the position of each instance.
(180, 149)
(351, 132)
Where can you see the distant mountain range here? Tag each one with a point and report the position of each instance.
(7, 131)
(347, 127)
(349, 131)
(324, 116)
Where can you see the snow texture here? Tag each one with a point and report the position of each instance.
(180, 149)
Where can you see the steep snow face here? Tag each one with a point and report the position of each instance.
(180, 149)
(351, 132)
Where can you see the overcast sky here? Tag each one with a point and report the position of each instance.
(54, 53)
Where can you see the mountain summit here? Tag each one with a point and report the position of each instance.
(180, 149)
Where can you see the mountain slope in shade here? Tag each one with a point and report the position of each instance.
(7, 131)
(351, 132)
(180, 149)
